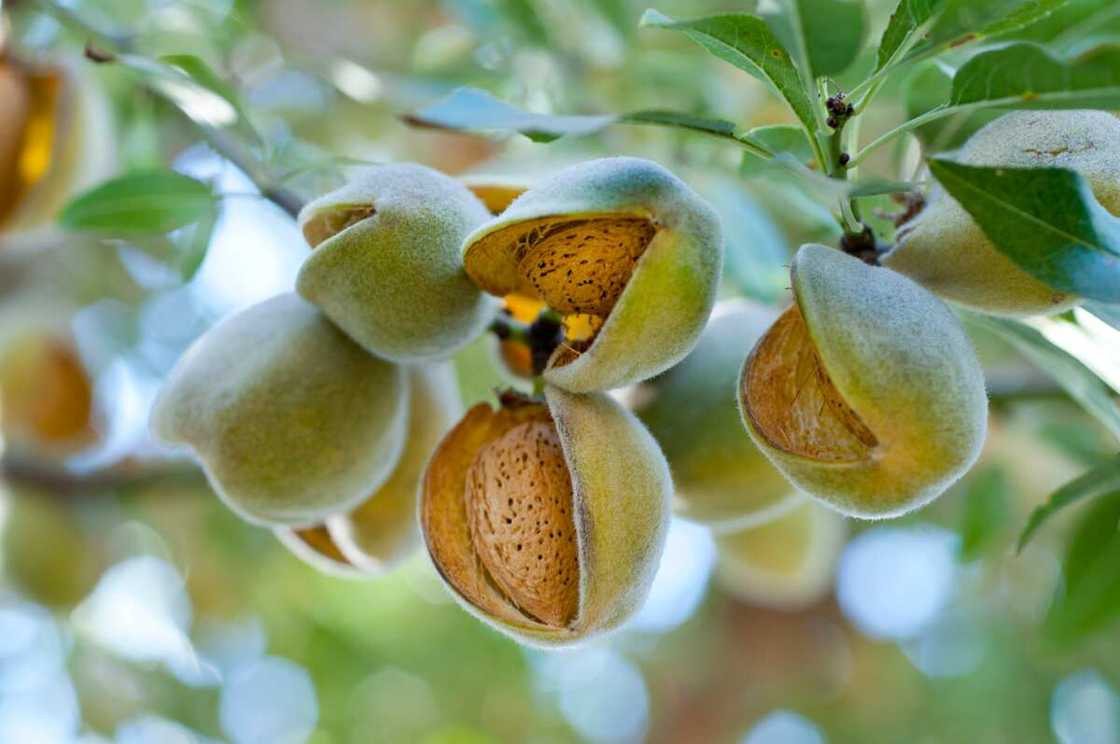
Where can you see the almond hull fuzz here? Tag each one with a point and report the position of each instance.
(386, 265)
(290, 419)
(547, 520)
(866, 393)
(721, 478)
(383, 531)
(785, 564)
(947, 252)
(618, 245)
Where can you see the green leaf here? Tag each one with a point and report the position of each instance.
(961, 22)
(1089, 596)
(789, 139)
(906, 19)
(986, 508)
(1104, 478)
(825, 36)
(1026, 76)
(194, 243)
(756, 256)
(704, 125)
(1075, 22)
(618, 14)
(194, 88)
(1046, 220)
(746, 42)
(927, 89)
(523, 15)
(139, 203)
(1085, 387)
(471, 109)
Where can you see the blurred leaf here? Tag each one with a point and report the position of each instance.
(746, 42)
(906, 19)
(144, 202)
(986, 508)
(619, 14)
(194, 89)
(1089, 597)
(1075, 21)
(194, 243)
(471, 109)
(777, 138)
(1046, 220)
(1074, 377)
(1104, 478)
(929, 87)
(961, 22)
(1026, 76)
(523, 14)
(825, 36)
(756, 257)
(1108, 313)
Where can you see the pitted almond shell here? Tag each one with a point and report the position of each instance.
(947, 252)
(383, 530)
(315, 547)
(785, 564)
(621, 240)
(519, 509)
(721, 478)
(866, 393)
(290, 419)
(386, 266)
(576, 481)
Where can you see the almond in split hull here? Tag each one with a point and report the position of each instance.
(519, 507)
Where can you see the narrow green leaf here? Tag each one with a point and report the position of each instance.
(1074, 22)
(1026, 76)
(471, 109)
(1085, 387)
(906, 19)
(194, 244)
(746, 42)
(927, 89)
(1102, 479)
(960, 22)
(194, 88)
(1046, 220)
(138, 203)
(756, 256)
(523, 14)
(825, 36)
(202, 74)
(618, 13)
(986, 508)
(777, 138)
(1089, 597)
(716, 127)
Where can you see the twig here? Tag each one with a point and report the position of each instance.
(58, 482)
(103, 47)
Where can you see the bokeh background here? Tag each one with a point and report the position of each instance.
(135, 608)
